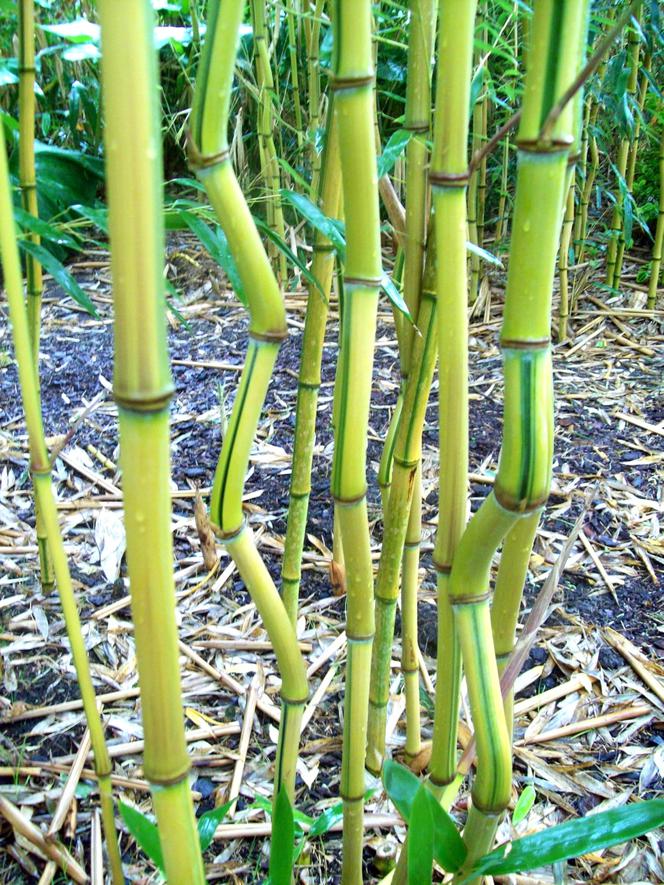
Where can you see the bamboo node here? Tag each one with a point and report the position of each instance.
(448, 179)
(270, 336)
(469, 599)
(516, 505)
(197, 160)
(364, 282)
(416, 126)
(140, 402)
(540, 145)
(349, 502)
(340, 83)
(442, 568)
(525, 344)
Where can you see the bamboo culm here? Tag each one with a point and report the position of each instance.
(40, 469)
(655, 268)
(28, 182)
(524, 470)
(402, 451)
(142, 389)
(209, 156)
(309, 377)
(352, 82)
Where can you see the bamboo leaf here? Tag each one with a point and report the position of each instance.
(489, 257)
(420, 839)
(401, 785)
(395, 296)
(145, 833)
(524, 804)
(395, 146)
(45, 230)
(281, 845)
(216, 245)
(325, 821)
(59, 273)
(208, 823)
(331, 229)
(288, 252)
(572, 839)
(448, 846)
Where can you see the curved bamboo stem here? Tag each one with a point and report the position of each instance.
(40, 469)
(524, 470)
(209, 156)
(449, 179)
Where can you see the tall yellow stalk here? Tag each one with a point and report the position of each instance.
(142, 389)
(40, 469)
(209, 156)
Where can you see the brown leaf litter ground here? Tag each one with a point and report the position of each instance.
(590, 702)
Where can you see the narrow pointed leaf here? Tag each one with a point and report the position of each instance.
(395, 146)
(524, 804)
(208, 823)
(401, 785)
(329, 227)
(145, 833)
(59, 273)
(281, 844)
(572, 839)
(420, 840)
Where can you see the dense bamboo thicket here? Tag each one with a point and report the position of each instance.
(488, 143)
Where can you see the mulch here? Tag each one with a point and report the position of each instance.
(590, 700)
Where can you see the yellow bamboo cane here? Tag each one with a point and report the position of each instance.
(143, 388)
(209, 156)
(352, 82)
(40, 469)
(28, 181)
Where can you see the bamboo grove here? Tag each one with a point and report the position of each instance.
(464, 195)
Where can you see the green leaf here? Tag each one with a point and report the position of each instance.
(82, 52)
(45, 230)
(98, 215)
(401, 785)
(523, 805)
(208, 823)
(78, 31)
(216, 244)
(324, 822)
(572, 839)
(59, 273)
(489, 257)
(420, 839)
(448, 846)
(281, 844)
(395, 146)
(329, 227)
(288, 252)
(144, 831)
(395, 296)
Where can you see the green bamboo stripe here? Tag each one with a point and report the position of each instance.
(551, 65)
(226, 502)
(524, 470)
(204, 66)
(493, 783)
